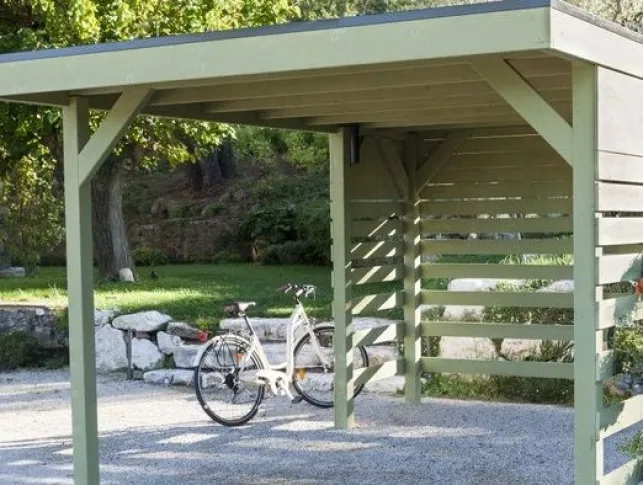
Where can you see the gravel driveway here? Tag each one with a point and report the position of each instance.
(157, 436)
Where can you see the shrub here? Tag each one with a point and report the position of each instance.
(291, 252)
(213, 209)
(144, 256)
(18, 349)
(226, 257)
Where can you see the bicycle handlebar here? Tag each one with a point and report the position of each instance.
(299, 290)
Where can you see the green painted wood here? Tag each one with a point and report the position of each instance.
(494, 207)
(472, 190)
(619, 197)
(621, 416)
(391, 228)
(377, 274)
(80, 287)
(378, 372)
(623, 249)
(552, 370)
(487, 226)
(588, 394)
(488, 298)
(501, 160)
(412, 153)
(439, 157)
(529, 103)
(376, 209)
(490, 246)
(510, 271)
(629, 474)
(111, 130)
(378, 335)
(613, 268)
(528, 144)
(340, 233)
(498, 330)
(379, 249)
(484, 174)
(389, 153)
(377, 302)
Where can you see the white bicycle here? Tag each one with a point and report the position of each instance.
(233, 371)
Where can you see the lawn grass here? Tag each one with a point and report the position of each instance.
(192, 293)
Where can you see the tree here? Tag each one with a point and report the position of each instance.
(35, 133)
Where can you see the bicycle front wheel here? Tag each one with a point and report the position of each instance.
(314, 380)
(225, 380)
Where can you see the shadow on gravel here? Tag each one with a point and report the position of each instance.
(437, 442)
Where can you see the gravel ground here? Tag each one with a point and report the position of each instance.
(158, 436)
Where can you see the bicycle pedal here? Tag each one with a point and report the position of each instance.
(297, 399)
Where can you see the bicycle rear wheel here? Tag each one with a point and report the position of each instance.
(314, 381)
(225, 381)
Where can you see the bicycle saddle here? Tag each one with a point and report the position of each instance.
(238, 307)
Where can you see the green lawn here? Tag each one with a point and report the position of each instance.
(193, 293)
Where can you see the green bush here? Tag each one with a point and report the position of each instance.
(291, 252)
(213, 209)
(18, 349)
(226, 257)
(144, 256)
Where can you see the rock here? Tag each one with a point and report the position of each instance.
(390, 385)
(562, 286)
(38, 321)
(111, 352)
(145, 355)
(151, 321)
(461, 313)
(167, 343)
(184, 330)
(13, 272)
(103, 317)
(126, 275)
(185, 356)
(177, 377)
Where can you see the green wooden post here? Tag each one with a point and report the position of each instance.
(587, 391)
(78, 222)
(412, 287)
(340, 233)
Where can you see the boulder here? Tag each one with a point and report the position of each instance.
(111, 352)
(562, 286)
(472, 312)
(103, 317)
(150, 321)
(177, 377)
(126, 275)
(145, 355)
(184, 330)
(167, 343)
(185, 356)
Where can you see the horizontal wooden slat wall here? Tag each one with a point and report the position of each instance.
(499, 196)
(619, 240)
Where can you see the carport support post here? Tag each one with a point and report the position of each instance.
(340, 234)
(80, 287)
(587, 339)
(412, 314)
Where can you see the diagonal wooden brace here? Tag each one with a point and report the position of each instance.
(110, 131)
(439, 158)
(528, 103)
(395, 166)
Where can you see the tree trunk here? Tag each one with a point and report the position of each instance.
(227, 159)
(211, 169)
(194, 174)
(111, 245)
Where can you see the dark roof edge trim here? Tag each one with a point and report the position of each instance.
(292, 27)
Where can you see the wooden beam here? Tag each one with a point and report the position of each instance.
(394, 165)
(110, 131)
(342, 280)
(80, 285)
(528, 103)
(588, 393)
(439, 158)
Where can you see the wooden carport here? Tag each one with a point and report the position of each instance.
(527, 107)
